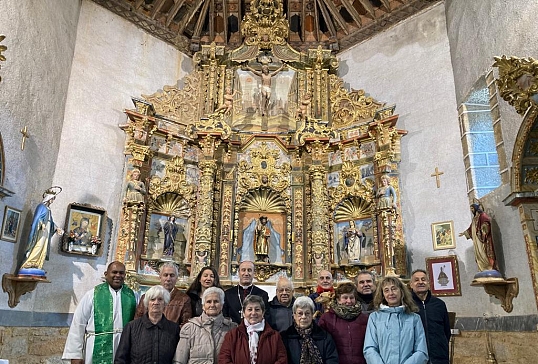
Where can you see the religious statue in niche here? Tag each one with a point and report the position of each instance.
(42, 230)
(136, 189)
(386, 194)
(261, 242)
(167, 234)
(480, 233)
(354, 241)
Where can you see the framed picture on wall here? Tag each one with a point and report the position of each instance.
(10, 224)
(443, 235)
(85, 227)
(444, 275)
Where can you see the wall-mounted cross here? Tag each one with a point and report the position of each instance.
(25, 135)
(436, 175)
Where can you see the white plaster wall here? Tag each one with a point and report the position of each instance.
(410, 65)
(40, 36)
(478, 31)
(113, 61)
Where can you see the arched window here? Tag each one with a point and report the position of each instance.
(481, 134)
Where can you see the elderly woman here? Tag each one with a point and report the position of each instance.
(201, 338)
(305, 341)
(151, 338)
(347, 324)
(395, 334)
(253, 341)
(208, 277)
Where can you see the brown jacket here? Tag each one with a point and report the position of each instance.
(271, 349)
(178, 310)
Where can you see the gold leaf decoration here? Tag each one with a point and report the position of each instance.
(263, 199)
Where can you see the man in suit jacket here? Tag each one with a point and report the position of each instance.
(233, 303)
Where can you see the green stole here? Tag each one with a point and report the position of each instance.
(103, 348)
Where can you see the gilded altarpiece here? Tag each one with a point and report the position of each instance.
(265, 156)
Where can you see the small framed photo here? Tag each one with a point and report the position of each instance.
(443, 235)
(444, 276)
(85, 228)
(10, 224)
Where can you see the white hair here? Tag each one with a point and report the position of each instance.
(213, 290)
(303, 302)
(155, 292)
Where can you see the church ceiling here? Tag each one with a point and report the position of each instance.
(336, 24)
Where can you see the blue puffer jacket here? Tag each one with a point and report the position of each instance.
(395, 337)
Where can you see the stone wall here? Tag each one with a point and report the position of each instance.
(44, 345)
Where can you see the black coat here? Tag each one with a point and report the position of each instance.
(434, 316)
(323, 340)
(143, 342)
(232, 305)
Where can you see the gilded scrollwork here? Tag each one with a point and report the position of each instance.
(518, 81)
(265, 25)
(213, 123)
(351, 185)
(174, 181)
(179, 105)
(263, 171)
(350, 107)
(313, 129)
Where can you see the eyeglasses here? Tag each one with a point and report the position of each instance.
(282, 290)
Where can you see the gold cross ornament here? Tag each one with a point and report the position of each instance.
(25, 135)
(436, 175)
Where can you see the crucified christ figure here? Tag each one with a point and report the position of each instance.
(266, 84)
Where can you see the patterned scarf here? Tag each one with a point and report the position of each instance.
(253, 337)
(309, 351)
(346, 312)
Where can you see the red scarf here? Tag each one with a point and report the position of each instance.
(320, 290)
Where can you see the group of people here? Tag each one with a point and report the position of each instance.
(365, 322)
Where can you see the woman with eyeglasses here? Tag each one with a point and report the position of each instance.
(305, 341)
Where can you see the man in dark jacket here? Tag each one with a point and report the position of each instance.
(365, 282)
(434, 317)
(280, 308)
(234, 297)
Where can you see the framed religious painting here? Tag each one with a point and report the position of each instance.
(85, 228)
(443, 235)
(444, 275)
(10, 224)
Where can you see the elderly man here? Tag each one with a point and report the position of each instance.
(434, 317)
(179, 309)
(365, 282)
(234, 297)
(99, 319)
(280, 308)
(325, 284)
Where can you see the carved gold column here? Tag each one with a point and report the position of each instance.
(204, 216)
(320, 221)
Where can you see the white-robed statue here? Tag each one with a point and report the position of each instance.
(42, 230)
(261, 242)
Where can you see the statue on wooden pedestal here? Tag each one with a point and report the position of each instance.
(41, 232)
(480, 232)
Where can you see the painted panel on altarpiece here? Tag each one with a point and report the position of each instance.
(353, 243)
